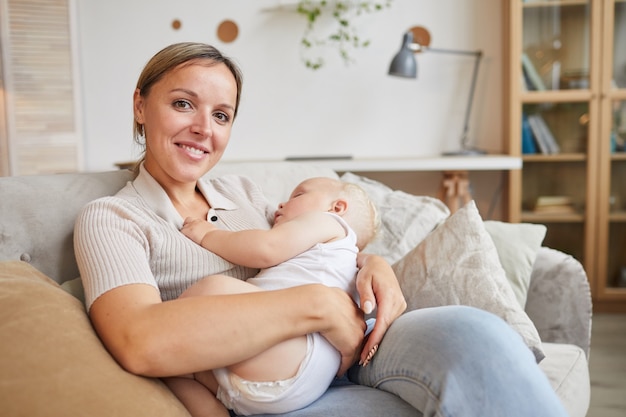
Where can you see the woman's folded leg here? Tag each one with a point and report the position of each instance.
(459, 361)
(345, 399)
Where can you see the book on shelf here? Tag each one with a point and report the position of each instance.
(544, 138)
(531, 75)
(528, 141)
(555, 75)
(554, 204)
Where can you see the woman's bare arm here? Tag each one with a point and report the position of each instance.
(148, 336)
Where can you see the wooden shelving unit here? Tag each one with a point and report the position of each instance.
(574, 78)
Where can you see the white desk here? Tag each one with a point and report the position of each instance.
(437, 163)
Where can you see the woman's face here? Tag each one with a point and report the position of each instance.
(187, 118)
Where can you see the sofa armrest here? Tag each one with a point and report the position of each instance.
(559, 299)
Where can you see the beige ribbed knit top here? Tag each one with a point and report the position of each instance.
(134, 237)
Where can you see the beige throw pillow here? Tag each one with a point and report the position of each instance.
(517, 245)
(457, 264)
(54, 365)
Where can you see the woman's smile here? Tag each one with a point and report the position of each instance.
(194, 150)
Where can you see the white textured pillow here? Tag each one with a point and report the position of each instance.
(276, 179)
(457, 264)
(406, 219)
(517, 245)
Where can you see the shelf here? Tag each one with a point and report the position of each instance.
(555, 96)
(282, 5)
(618, 156)
(531, 217)
(618, 94)
(617, 216)
(560, 157)
(554, 3)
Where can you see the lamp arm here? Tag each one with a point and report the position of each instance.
(478, 55)
(470, 100)
(447, 51)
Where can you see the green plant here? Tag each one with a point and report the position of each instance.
(343, 34)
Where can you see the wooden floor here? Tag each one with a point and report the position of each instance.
(607, 366)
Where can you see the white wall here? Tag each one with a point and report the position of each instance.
(290, 110)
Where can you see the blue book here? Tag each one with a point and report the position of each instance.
(528, 141)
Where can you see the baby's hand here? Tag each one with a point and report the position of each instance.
(196, 229)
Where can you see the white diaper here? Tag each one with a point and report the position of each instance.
(315, 374)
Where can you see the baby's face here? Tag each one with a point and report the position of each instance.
(315, 194)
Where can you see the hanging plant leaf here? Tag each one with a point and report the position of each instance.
(343, 36)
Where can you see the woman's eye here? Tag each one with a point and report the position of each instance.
(182, 104)
(223, 117)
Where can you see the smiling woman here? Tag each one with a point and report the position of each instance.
(135, 263)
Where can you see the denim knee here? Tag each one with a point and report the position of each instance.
(458, 361)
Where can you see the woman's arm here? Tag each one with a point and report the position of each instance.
(378, 287)
(257, 248)
(153, 338)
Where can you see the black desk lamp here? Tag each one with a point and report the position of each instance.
(404, 65)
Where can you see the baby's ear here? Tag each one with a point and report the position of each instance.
(339, 207)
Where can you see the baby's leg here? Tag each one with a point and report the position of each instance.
(219, 284)
(279, 362)
(197, 399)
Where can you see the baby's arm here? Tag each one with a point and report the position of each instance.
(264, 248)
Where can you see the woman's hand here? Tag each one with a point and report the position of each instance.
(346, 328)
(378, 287)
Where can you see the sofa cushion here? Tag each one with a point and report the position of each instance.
(406, 219)
(52, 362)
(567, 369)
(458, 264)
(517, 245)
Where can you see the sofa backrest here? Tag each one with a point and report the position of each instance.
(37, 216)
(37, 213)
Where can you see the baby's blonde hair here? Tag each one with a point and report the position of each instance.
(362, 215)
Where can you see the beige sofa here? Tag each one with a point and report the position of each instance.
(53, 364)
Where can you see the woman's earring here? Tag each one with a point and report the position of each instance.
(142, 134)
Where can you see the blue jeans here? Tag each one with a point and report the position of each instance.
(450, 361)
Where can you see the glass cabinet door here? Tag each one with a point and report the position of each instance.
(556, 45)
(619, 44)
(558, 122)
(616, 263)
(611, 286)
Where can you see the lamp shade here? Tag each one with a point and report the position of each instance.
(404, 64)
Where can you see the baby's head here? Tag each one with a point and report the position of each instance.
(347, 200)
(361, 214)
